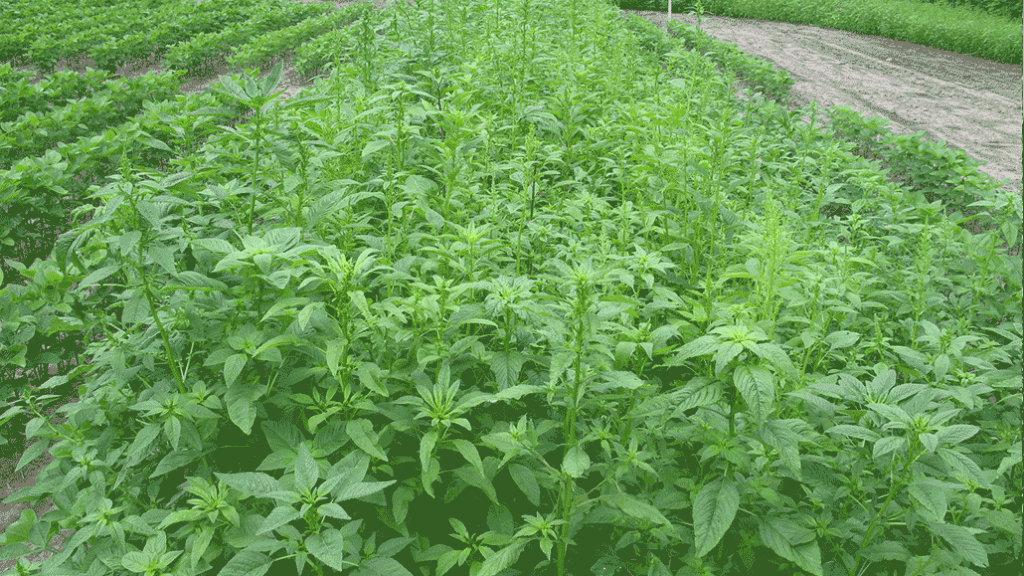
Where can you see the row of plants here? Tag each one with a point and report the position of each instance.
(994, 34)
(198, 54)
(928, 168)
(73, 38)
(30, 22)
(41, 193)
(264, 51)
(347, 44)
(33, 133)
(20, 93)
(45, 43)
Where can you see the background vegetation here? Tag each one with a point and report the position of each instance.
(516, 287)
(988, 29)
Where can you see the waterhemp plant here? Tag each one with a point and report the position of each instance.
(441, 325)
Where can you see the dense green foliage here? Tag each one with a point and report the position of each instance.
(990, 30)
(517, 285)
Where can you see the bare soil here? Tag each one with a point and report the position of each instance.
(971, 103)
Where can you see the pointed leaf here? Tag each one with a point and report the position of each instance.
(240, 407)
(502, 559)
(699, 347)
(714, 510)
(374, 146)
(469, 452)
(233, 367)
(272, 80)
(576, 462)
(361, 432)
(757, 387)
(526, 480)
(636, 508)
(306, 470)
(278, 517)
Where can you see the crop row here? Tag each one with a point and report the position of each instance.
(200, 52)
(43, 195)
(43, 43)
(264, 49)
(20, 95)
(35, 132)
(41, 192)
(39, 36)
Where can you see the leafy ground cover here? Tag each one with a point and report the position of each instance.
(520, 286)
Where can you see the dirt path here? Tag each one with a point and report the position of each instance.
(971, 103)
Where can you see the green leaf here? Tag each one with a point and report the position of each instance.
(136, 309)
(275, 342)
(362, 434)
(725, 354)
(855, 432)
(618, 379)
(886, 551)
(526, 480)
(792, 541)
(635, 507)
(400, 502)
(841, 339)
(332, 510)
(239, 399)
(175, 460)
(714, 510)
(150, 211)
(374, 146)
(369, 376)
(279, 516)
(140, 446)
(194, 280)
(469, 452)
(699, 347)
(98, 276)
(506, 367)
(247, 563)
(775, 355)
(757, 387)
(233, 367)
(154, 143)
(932, 498)
(34, 451)
(361, 490)
(388, 566)
(202, 542)
(272, 80)
(913, 358)
(215, 245)
(164, 257)
(576, 462)
(502, 559)
(334, 349)
(249, 483)
(306, 470)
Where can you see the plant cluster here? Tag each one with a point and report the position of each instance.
(518, 286)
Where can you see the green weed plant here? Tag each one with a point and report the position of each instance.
(533, 292)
